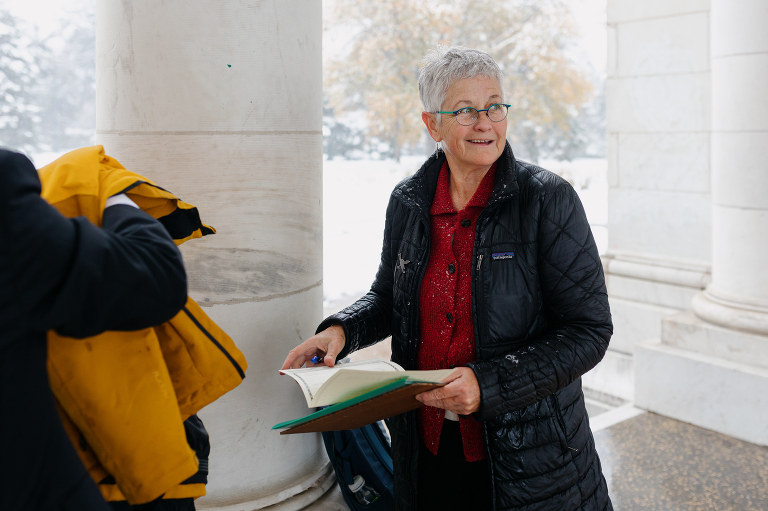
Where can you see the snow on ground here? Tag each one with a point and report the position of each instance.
(355, 196)
(44, 158)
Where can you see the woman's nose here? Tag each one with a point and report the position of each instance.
(483, 123)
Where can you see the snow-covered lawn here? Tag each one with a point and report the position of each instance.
(355, 196)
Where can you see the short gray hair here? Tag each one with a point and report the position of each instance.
(445, 65)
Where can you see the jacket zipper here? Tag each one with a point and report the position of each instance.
(216, 343)
(476, 315)
(414, 328)
(560, 421)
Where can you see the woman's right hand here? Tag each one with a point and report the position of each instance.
(327, 344)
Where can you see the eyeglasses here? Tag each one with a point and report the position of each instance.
(467, 116)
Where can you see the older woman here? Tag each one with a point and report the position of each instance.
(489, 266)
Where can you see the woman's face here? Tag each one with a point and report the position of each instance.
(480, 144)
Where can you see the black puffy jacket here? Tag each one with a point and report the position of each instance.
(541, 320)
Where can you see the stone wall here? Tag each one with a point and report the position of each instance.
(659, 216)
(688, 212)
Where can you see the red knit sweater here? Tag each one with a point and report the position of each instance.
(445, 311)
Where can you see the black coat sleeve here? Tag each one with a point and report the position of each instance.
(369, 319)
(78, 279)
(575, 303)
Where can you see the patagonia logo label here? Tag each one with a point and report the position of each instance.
(503, 255)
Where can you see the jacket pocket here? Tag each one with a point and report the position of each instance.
(562, 432)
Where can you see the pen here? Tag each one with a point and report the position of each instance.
(317, 359)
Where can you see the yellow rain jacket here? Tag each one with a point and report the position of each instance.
(124, 395)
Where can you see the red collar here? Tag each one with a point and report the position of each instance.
(442, 204)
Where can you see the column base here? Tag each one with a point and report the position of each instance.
(732, 312)
(295, 498)
(708, 391)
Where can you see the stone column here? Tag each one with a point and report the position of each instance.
(710, 365)
(738, 295)
(220, 101)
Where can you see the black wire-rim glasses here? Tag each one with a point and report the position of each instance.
(467, 116)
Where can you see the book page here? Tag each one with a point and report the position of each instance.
(310, 379)
(349, 382)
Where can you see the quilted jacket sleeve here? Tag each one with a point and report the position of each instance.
(369, 319)
(74, 277)
(576, 308)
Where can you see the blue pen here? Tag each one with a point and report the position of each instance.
(317, 359)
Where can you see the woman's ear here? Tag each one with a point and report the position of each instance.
(430, 121)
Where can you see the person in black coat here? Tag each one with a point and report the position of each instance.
(489, 265)
(80, 280)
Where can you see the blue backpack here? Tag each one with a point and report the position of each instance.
(362, 459)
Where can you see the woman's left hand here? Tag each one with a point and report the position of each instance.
(461, 395)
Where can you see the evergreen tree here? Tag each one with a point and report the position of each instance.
(20, 71)
(68, 84)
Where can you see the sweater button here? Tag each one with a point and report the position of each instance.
(466, 222)
(449, 317)
(451, 268)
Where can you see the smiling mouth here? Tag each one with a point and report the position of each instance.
(480, 142)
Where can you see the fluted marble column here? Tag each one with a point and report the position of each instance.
(738, 295)
(220, 101)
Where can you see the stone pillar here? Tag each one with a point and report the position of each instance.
(710, 366)
(220, 101)
(738, 295)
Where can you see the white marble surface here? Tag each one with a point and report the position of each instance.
(739, 27)
(706, 391)
(248, 460)
(612, 61)
(613, 155)
(663, 103)
(701, 113)
(739, 94)
(743, 156)
(668, 224)
(220, 66)
(665, 295)
(613, 417)
(633, 10)
(634, 321)
(222, 104)
(664, 45)
(664, 161)
(614, 375)
(740, 248)
(263, 195)
(687, 332)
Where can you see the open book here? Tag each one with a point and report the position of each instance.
(360, 393)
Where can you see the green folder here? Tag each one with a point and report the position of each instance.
(391, 399)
